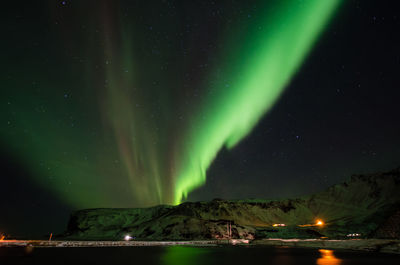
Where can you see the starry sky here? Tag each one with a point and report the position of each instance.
(139, 103)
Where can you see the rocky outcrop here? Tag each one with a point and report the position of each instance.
(390, 228)
(366, 204)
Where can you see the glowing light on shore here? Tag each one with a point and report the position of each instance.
(127, 238)
(353, 235)
(318, 222)
(276, 225)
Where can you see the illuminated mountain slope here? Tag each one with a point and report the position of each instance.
(363, 205)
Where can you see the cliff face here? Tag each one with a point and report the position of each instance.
(366, 204)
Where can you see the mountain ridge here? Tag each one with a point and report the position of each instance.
(365, 204)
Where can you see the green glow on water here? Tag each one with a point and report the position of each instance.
(183, 255)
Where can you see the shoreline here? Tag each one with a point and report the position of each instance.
(371, 245)
(95, 243)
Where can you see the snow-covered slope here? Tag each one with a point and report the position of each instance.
(366, 204)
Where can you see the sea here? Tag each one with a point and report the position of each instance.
(190, 255)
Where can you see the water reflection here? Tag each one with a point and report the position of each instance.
(184, 255)
(328, 258)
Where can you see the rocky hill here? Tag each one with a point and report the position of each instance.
(368, 205)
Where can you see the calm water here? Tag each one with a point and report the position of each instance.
(183, 255)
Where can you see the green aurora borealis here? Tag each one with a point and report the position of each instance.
(251, 82)
(138, 133)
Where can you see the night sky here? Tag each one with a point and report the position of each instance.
(139, 103)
